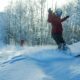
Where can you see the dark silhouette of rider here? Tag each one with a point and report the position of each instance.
(57, 30)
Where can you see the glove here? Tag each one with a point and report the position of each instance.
(67, 16)
(49, 10)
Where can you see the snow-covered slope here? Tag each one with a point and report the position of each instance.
(39, 63)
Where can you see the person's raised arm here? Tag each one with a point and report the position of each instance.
(50, 15)
(49, 18)
(63, 19)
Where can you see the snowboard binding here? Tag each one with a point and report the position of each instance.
(63, 46)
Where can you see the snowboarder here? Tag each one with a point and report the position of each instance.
(57, 30)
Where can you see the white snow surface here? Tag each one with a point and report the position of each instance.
(39, 63)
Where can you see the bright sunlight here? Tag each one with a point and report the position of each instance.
(3, 4)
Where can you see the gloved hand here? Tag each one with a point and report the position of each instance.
(49, 10)
(67, 16)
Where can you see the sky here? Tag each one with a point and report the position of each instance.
(3, 4)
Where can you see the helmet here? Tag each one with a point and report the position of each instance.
(58, 12)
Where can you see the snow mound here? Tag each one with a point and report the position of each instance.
(40, 64)
(51, 54)
(20, 70)
(75, 48)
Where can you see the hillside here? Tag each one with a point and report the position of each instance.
(39, 63)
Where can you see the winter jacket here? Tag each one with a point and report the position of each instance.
(56, 23)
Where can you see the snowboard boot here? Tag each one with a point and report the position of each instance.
(64, 46)
(60, 46)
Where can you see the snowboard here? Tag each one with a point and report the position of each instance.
(68, 52)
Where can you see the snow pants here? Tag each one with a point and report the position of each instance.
(58, 37)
